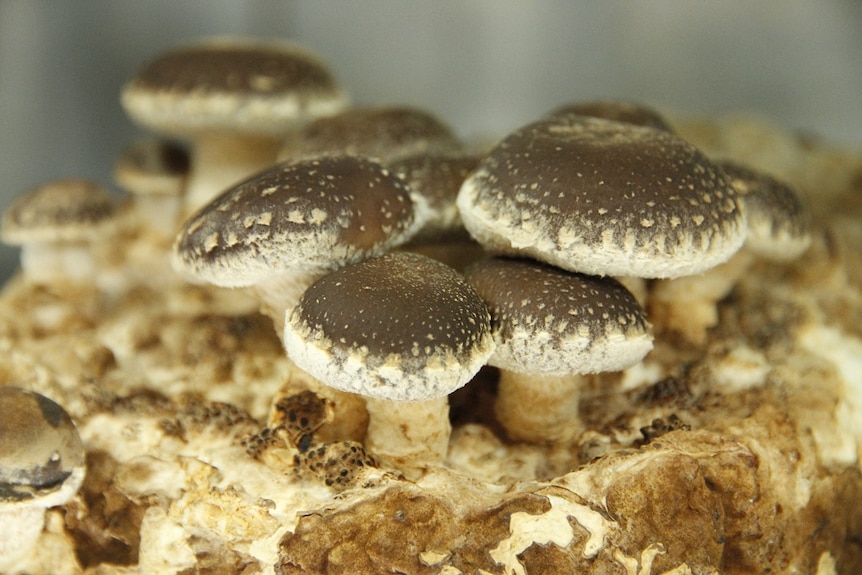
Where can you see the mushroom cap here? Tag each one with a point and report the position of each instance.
(152, 167)
(381, 132)
(400, 327)
(41, 454)
(308, 216)
(618, 111)
(548, 321)
(59, 211)
(603, 198)
(779, 223)
(437, 177)
(233, 85)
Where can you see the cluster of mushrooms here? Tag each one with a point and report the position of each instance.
(394, 260)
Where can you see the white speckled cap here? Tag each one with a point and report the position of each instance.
(309, 216)
(234, 85)
(549, 321)
(779, 226)
(67, 210)
(603, 198)
(401, 327)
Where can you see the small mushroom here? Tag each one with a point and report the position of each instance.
(284, 228)
(619, 111)
(383, 133)
(154, 172)
(41, 465)
(403, 331)
(778, 231)
(235, 99)
(56, 225)
(551, 327)
(603, 198)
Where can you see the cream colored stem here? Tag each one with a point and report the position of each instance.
(537, 408)
(687, 305)
(220, 161)
(409, 435)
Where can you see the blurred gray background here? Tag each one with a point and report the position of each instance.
(484, 66)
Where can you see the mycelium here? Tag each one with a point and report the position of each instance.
(551, 327)
(41, 466)
(402, 330)
(604, 198)
(235, 99)
(778, 232)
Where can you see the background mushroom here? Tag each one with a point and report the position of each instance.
(41, 466)
(384, 133)
(628, 112)
(154, 172)
(57, 226)
(403, 331)
(551, 327)
(235, 99)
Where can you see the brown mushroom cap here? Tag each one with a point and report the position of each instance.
(401, 327)
(41, 454)
(603, 198)
(383, 133)
(779, 226)
(67, 210)
(618, 111)
(232, 85)
(549, 321)
(309, 216)
(437, 177)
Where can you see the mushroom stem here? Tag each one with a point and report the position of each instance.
(687, 305)
(409, 435)
(279, 294)
(20, 526)
(44, 262)
(160, 214)
(539, 408)
(220, 161)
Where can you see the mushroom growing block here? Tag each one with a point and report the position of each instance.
(402, 330)
(235, 99)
